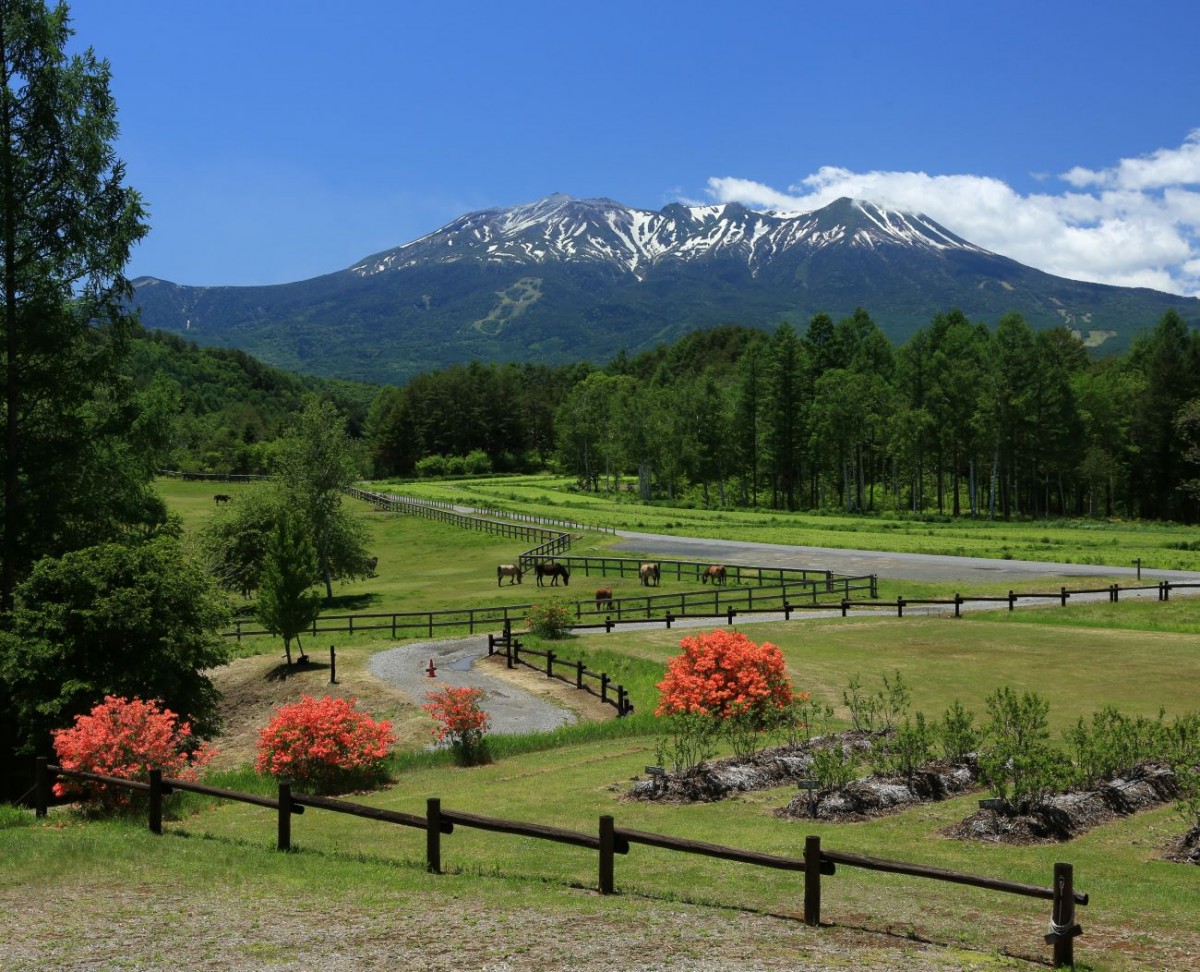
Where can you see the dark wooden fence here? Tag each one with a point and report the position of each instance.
(607, 842)
(1113, 591)
(412, 623)
(572, 672)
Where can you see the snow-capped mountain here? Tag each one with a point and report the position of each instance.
(563, 279)
(559, 228)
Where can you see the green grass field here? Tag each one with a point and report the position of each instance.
(1115, 543)
(1137, 657)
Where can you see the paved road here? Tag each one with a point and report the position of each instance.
(894, 566)
(512, 709)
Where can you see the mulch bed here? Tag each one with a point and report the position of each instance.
(1059, 819)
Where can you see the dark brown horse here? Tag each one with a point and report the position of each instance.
(715, 573)
(649, 574)
(220, 498)
(513, 572)
(604, 598)
(554, 572)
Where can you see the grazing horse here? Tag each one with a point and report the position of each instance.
(715, 573)
(372, 563)
(513, 572)
(220, 498)
(648, 573)
(604, 598)
(554, 572)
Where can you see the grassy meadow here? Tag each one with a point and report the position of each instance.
(1116, 543)
(1139, 657)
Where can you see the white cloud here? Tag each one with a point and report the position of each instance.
(1136, 224)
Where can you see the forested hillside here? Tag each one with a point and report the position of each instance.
(229, 405)
(960, 420)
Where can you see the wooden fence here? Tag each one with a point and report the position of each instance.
(607, 842)
(572, 672)
(444, 514)
(415, 623)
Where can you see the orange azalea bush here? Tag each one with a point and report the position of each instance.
(126, 738)
(728, 680)
(326, 745)
(459, 719)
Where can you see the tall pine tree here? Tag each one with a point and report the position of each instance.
(67, 224)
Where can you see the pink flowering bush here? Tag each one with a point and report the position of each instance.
(459, 719)
(126, 738)
(325, 746)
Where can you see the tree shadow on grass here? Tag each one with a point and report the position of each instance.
(343, 603)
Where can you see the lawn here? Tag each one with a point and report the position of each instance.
(1116, 543)
(522, 892)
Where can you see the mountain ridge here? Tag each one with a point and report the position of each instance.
(562, 279)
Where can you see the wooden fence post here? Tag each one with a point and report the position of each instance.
(603, 686)
(899, 606)
(41, 787)
(332, 665)
(812, 881)
(549, 664)
(1012, 599)
(607, 851)
(958, 605)
(1062, 919)
(285, 816)
(579, 674)
(433, 835)
(156, 800)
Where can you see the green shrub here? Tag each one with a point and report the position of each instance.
(956, 734)
(834, 766)
(550, 620)
(881, 710)
(690, 740)
(1016, 762)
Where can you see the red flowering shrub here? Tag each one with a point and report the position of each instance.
(325, 745)
(459, 719)
(725, 676)
(126, 738)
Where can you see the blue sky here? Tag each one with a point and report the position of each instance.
(277, 141)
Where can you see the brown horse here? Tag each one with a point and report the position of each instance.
(554, 572)
(513, 572)
(220, 498)
(715, 573)
(648, 573)
(604, 598)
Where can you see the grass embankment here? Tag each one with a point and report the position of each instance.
(1142, 914)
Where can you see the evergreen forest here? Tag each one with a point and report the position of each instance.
(961, 420)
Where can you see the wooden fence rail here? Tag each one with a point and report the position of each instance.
(574, 673)
(608, 841)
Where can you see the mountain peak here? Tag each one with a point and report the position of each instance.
(560, 228)
(562, 279)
